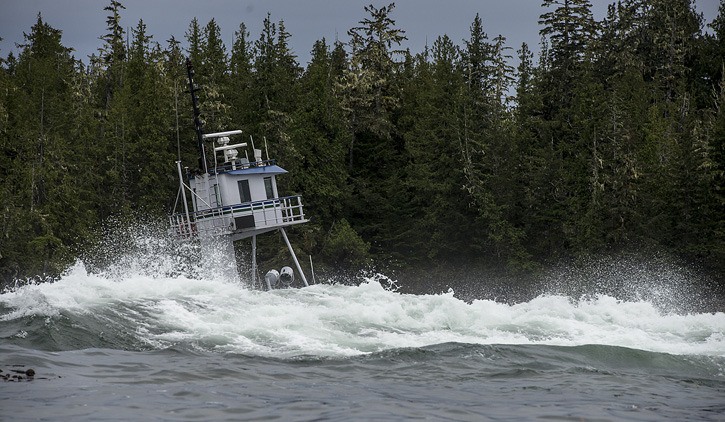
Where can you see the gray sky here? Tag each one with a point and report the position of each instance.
(83, 21)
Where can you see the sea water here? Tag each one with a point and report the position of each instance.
(141, 343)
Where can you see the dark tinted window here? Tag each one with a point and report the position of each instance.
(244, 195)
(268, 187)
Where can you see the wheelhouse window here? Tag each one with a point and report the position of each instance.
(244, 195)
(268, 187)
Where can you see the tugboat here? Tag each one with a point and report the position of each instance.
(233, 198)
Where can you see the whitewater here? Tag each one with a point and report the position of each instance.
(139, 342)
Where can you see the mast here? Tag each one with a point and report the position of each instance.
(243, 203)
(197, 119)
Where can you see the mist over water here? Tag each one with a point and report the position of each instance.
(661, 280)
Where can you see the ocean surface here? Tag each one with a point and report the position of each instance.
(140, 343)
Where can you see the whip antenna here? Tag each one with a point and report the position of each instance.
(197, 114)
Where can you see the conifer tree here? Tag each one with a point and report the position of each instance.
(110, 68)
(194, 39)
(318, 131)
(43, 190)
(569, 30)
(213, 75)
(369, 97)
(6, 160)
(439, 222)
(275, 90)
(113, 52)
(534, 171)
(367, 86)
(718, 135)
(487, 145)
(716, 222)
(621, 137)
(239, 89)
(148, 107)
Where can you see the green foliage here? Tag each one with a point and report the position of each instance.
(344, 248)
(38, 148)
(614, 139)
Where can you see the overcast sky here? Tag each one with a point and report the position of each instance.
(84, 21)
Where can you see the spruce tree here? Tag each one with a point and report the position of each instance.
(42, 222)
(370, 96)
(149, 110)
(275, 91)
(569, 30)
(318, 131)
(239, 89)
(109, 69)
(367, 86)
(439, 222)
(488, 150)
(213, 71)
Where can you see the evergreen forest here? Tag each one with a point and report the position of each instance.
(469, 152)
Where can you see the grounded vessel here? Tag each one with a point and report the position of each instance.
(233, 197)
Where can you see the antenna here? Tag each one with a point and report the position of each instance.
(197, 114)
(176, 112)
(265, 147)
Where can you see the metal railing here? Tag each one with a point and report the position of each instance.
(240, 164)
(270, 213)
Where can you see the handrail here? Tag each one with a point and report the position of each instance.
(240, 165)
(220, 219)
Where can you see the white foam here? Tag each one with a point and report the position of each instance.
(337, 320)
